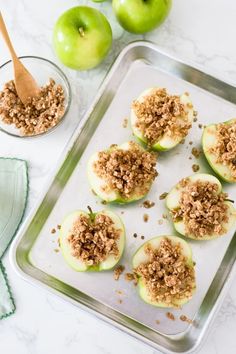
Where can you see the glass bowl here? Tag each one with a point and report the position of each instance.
(41, 69)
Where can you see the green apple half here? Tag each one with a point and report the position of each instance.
(98, 184)
(140, 16)
(173, 200)
(76, 263)
(141, 257)
(209, 140)
(165, 142)
(82, 37)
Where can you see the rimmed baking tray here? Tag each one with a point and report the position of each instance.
(139, 66)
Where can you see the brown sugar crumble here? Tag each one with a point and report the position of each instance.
(53, 231)
(191, 143)
(202, 210)
(118, 271)
(195, 167)
(131, 277)
(157, 322)
(59, 227)
(125, 123)
(92, 241)
(185, 319)
(40, 113)
(163, 196)
(148, 204)
(200, 126)
(159, 113)
(225, 148)
(170, 316)
(56, 250)
(145, 217)
(135, 235)
(127, 171)
(166, 274)
(142, 237)
(196, 152)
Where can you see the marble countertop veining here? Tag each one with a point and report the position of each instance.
(202, 32)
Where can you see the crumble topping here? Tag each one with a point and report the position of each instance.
(160, 113)
(147, 204)
(40, 113)
(170, 316)
(225, 149)
(118, 271)
(166, 275)
(127, 171)
(195, 167)
(202, 210)
(93, 241)
(163, 196)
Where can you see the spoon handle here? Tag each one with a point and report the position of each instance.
(6, 37)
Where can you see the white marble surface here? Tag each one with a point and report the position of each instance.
(199, 31)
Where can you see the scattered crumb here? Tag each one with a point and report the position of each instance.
(119, 292)
(59, 227)
(195, 167)
(145, 217)
(125, 123)
(160, 222)
(170, 316)
(185, 319)
(118, 271)
(135, 235)
(163, 196)
(165, 216)
(190, 143)
(195, 119)
(58, 241)
(119, 301)
(122, 212)
(53, 231)
(93, 192)
(182, 141)
(195, 113)
(190, 158)
(56, 250)
(186, 93)
(142, 237)
(148, 204)
(200, 126)
(131, 277)
(157, 322)
(196, 152)
(103, 202)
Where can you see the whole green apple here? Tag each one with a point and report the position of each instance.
(82, 37)
(140, 16)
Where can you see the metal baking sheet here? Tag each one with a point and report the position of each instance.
(139, 66)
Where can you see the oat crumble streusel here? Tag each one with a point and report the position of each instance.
(118, 271)
(202, 210)
(225, 149)
(127, 171)
(159, 113)
(40, 113)
(93, 241)
(166, 275)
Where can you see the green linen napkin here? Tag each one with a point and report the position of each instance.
(13, 197)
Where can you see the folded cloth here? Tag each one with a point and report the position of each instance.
(13, 197)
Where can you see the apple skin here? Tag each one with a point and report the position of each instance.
(82, 37)
(141, 16)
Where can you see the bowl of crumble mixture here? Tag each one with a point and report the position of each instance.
(42, 114)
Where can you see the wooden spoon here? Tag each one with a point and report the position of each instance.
(26, 86)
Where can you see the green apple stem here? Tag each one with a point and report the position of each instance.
(81, 31)
(91, 213)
